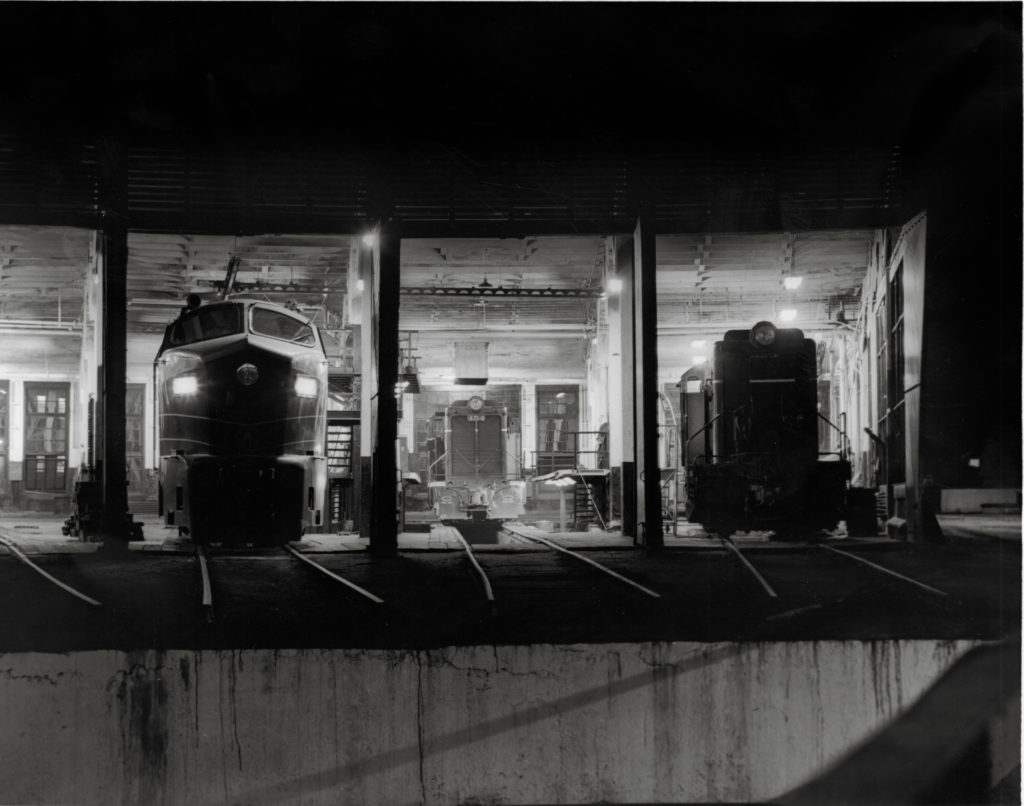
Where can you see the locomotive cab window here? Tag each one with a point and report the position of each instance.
(277, 325)
(206, 323)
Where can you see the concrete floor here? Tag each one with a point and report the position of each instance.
(41, 532)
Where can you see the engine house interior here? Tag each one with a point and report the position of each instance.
(514, 366)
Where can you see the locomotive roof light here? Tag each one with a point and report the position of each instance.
(762, 334)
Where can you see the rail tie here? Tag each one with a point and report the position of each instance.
(21, 556)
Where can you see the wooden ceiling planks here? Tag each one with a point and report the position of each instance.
(706, 282)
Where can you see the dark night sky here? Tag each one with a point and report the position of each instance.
(596, 75)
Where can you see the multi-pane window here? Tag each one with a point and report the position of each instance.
(5, 398)
(557, 427)
(134, 436)
(46, 436)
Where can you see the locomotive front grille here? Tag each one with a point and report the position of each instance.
(476, 446)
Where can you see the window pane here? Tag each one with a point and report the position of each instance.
(266, 322)
(207, 323)
(4, 398)
(46, 435)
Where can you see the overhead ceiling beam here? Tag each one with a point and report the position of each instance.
(502, 291)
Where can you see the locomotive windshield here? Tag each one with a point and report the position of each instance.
(209, 322)
(278, 325)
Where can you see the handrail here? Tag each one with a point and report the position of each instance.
(702, 428)
(845, 440)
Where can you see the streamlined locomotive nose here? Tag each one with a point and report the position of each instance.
(242, 397)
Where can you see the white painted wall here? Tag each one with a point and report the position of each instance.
(486, 724)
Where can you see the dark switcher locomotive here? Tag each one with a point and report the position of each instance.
(752, 454)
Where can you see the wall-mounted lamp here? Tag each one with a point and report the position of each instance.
(614, 285)
(787, 315)
(370, 239)
(791, 283)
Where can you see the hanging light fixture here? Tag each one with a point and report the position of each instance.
(408, 373)
(410, 376)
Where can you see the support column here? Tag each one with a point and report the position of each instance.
(645, 341)
(619, 284)
(363, 283)
(528, 423)
(115, 529)
(386, 486)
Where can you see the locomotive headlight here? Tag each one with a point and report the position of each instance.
(762, 334)
(247, 374)
(476, 403)
(179, 373)
(306, 386)
(185, 385)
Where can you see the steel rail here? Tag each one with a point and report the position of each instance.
(727, 542)
(884, 570)
(334, 576)
(588, 561)
(480, 571)
(21, 556)
(205, 573)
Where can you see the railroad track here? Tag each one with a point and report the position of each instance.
(750, 567)
(21, 556)
(575, 555)
(202, 557)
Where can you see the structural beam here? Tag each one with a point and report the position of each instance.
(620, 386)
(386, 486)
(113, 197)
(645, 362)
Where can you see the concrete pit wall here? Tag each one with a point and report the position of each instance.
(484, 724)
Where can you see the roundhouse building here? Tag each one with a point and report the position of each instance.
(526, 239)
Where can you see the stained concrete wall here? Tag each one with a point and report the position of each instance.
(484, 724)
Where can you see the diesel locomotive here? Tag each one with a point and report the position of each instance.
(241, 401)
(751, 439)
(479, 469)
